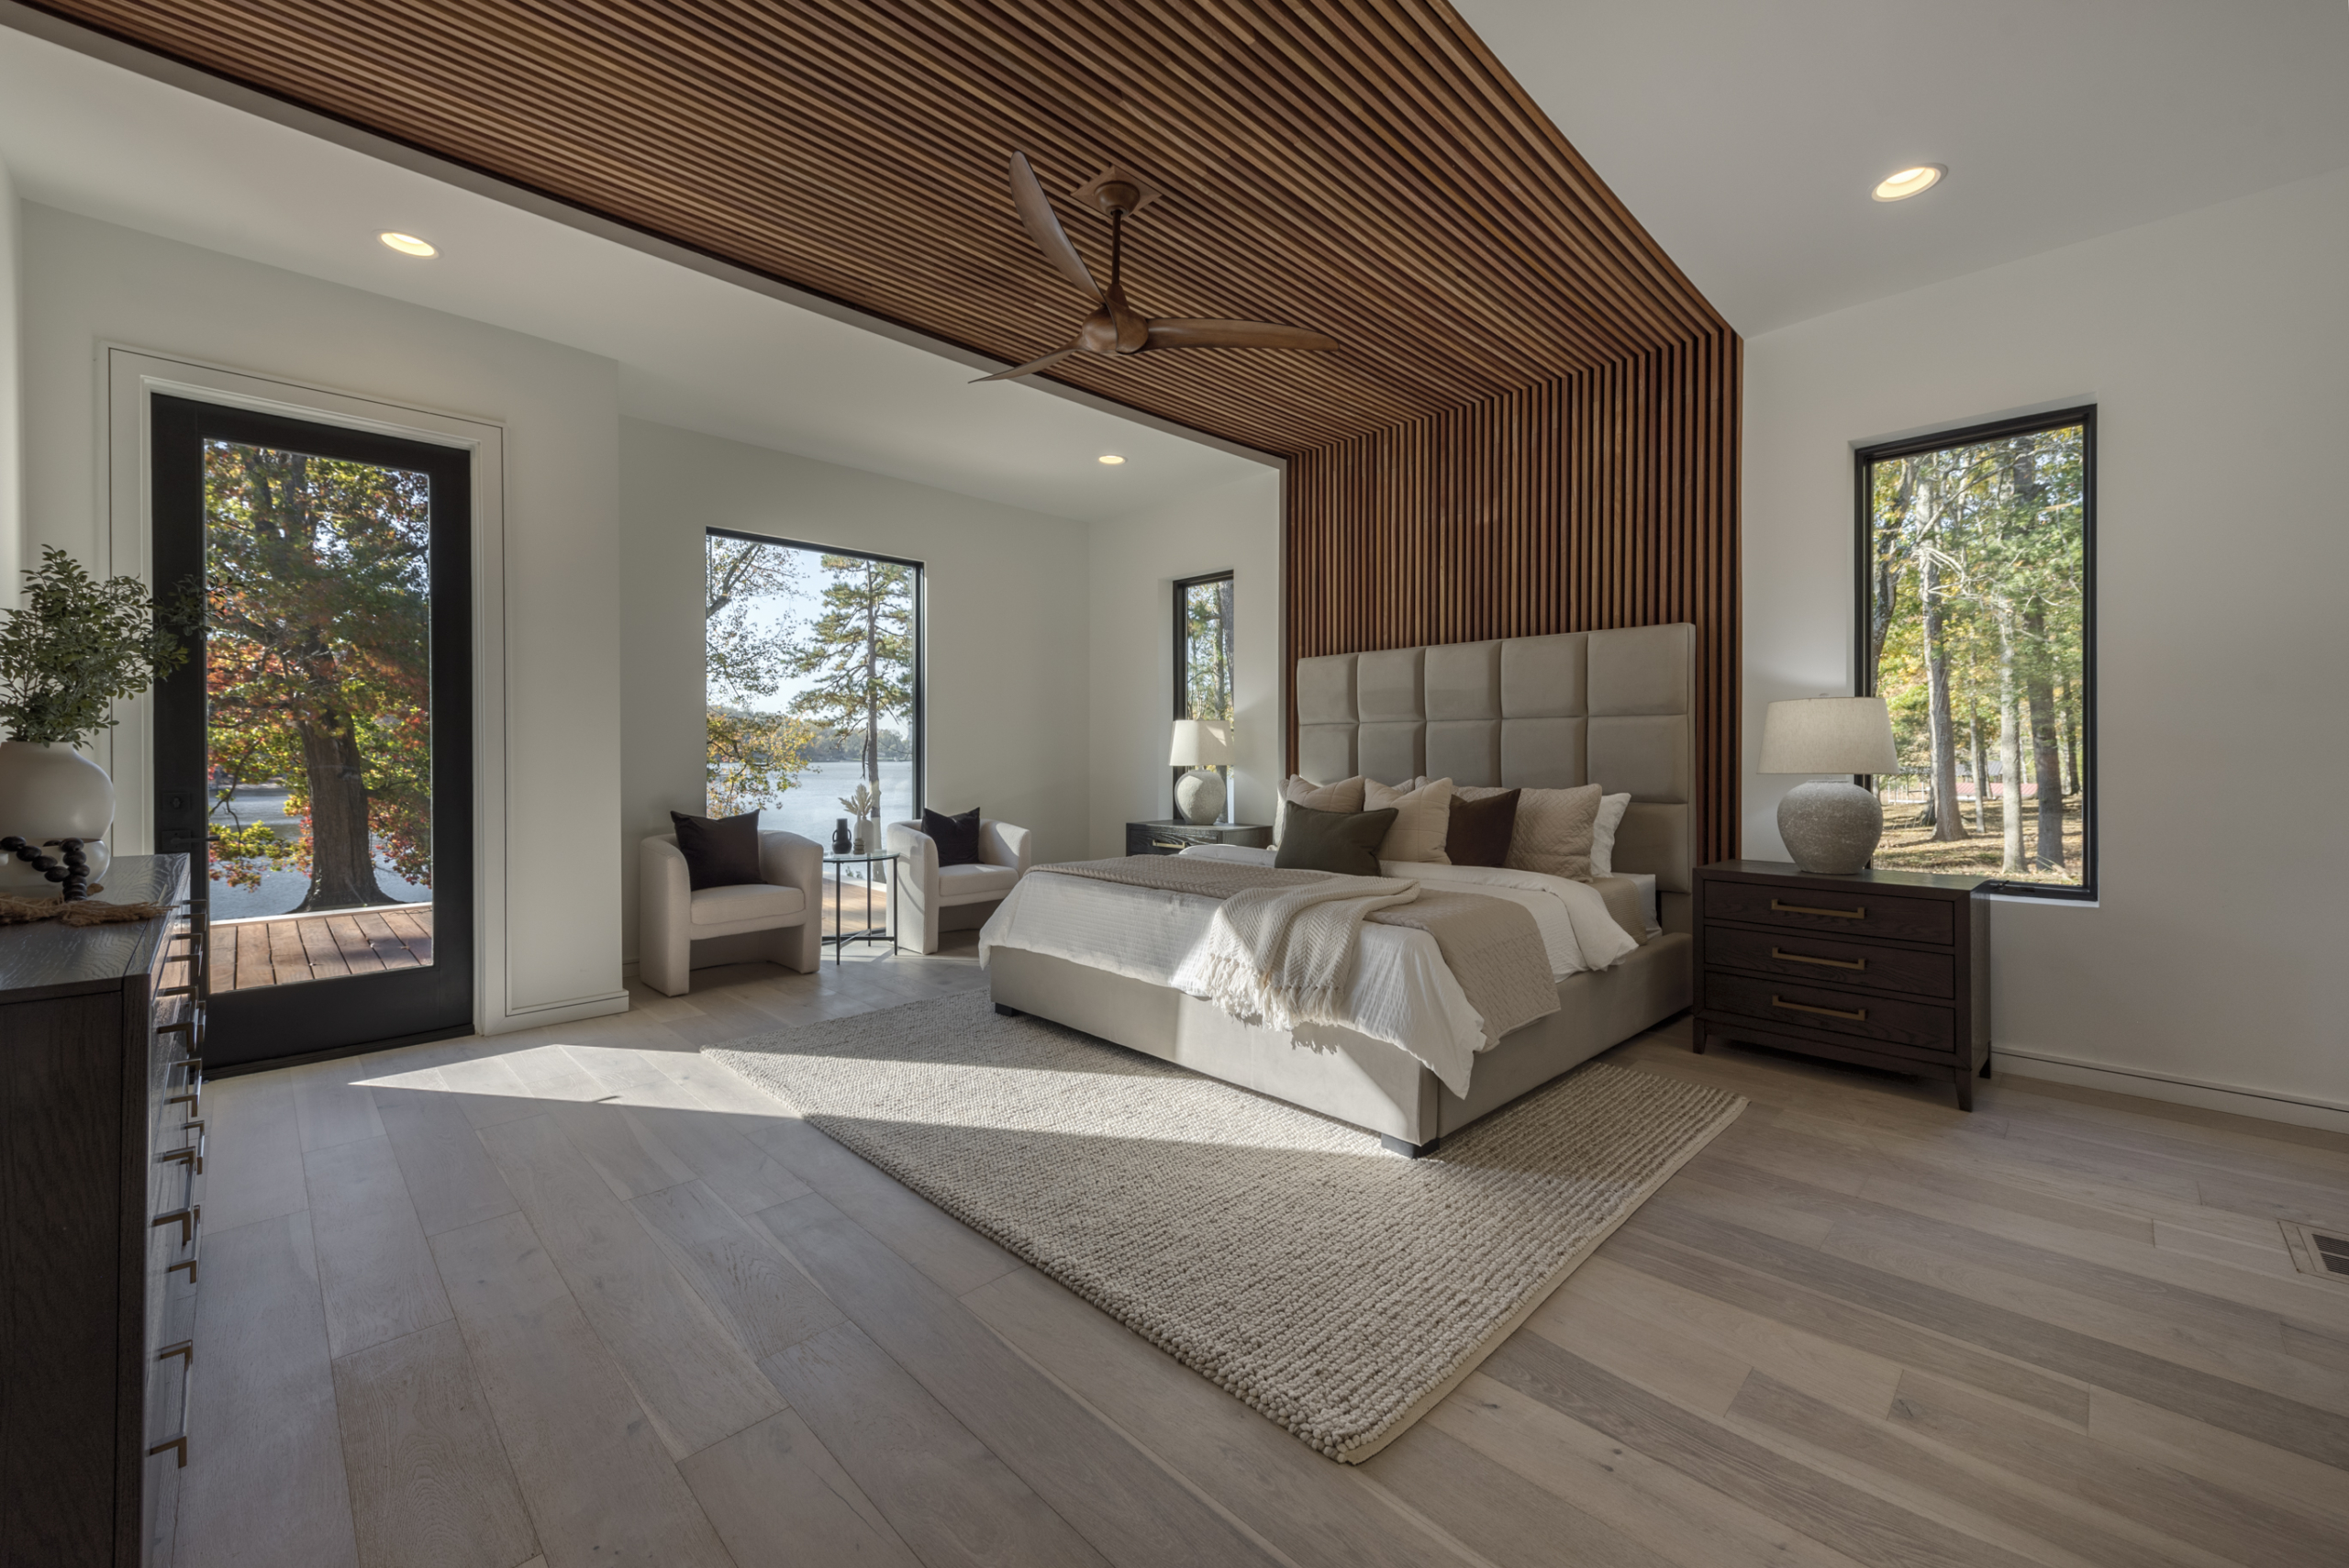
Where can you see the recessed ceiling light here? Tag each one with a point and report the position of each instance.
(407, 244)
(1112, 458)
(1909, 182)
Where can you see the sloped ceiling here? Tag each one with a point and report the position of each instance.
(1368, 169)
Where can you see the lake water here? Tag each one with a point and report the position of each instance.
(811, 806)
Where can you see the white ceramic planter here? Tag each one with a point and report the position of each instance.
(52, 792)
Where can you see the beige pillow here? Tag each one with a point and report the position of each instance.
(1343, 796)
(1423, 816)
(1555, 830)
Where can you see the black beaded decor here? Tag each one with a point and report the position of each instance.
(69, 869)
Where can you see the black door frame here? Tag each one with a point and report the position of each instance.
(334, 1015)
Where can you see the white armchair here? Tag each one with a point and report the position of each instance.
(932, 898)
(789, 902)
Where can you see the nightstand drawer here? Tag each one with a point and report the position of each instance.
(1862, 912)
(1917, 1028)
(1802, 955)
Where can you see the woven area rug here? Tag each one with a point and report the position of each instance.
(1337, 1289)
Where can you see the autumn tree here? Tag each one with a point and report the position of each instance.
(753, 755)
(319, 665)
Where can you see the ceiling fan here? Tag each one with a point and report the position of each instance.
(1116, 328)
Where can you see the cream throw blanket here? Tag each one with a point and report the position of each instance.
(1280, 951)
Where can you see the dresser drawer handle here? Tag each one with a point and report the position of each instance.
(169, 1443)
(1859, 914)
(1170, 844)
(1859, 1018)
(1823, 962)
(185, 1348)
(187, 1219)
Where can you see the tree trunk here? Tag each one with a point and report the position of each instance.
(872, 683)
(2010, 744)
(1948, 826)
(1981, 772)
(2071, 700)
(2047, 761)
(343, 860)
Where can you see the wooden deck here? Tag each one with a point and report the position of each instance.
(252, 953)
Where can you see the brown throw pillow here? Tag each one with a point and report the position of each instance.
(957, 838)
(1343, 796)
(720, 853)
(1480, 829)
(1342, 842)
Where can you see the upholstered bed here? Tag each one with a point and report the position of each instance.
(1610, 707)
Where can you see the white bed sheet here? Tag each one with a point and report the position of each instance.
(1402, 992)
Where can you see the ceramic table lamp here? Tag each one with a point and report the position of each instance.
(1199, 745)
(1830, 827)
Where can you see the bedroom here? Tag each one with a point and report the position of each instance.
(1858, 1325)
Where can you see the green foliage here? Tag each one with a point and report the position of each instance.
(1977, 578)
(747, 753)
(751, 757)
(860, 653)
(79, 644)
(318, 582)
(1207, 649)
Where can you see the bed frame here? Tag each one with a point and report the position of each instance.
(1613, 708)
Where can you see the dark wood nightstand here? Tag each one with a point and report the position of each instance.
(1173, 838)
(1885, 968)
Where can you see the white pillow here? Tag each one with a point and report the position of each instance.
(1345, 794)
(1422, 817)
(1602, 833)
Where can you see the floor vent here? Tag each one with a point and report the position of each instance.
(2320, 1252)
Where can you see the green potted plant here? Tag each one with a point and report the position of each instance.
(74, 647)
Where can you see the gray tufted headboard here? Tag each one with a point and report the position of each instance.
(1606, 707)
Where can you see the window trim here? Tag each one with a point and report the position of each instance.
(1182, 644)
(1865, 459)
(920, 629)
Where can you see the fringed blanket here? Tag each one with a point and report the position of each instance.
(1281, 950)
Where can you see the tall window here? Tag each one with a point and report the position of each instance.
(813, 685)
(1203, 653)
(1976, 627)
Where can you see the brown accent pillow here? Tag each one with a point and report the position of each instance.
(719, 852)
(1480, 829)
(1342, 842)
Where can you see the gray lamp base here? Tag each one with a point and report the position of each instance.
(1198, 796)
(1831, 828)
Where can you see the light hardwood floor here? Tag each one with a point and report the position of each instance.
(580, 1298)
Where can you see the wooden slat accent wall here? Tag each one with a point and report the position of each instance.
(1603, 499)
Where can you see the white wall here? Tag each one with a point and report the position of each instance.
(11, 430)
(2216, 347)
(1004, 689)
(87, 282)
(1136, 561)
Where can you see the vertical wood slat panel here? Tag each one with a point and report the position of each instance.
(1606, 498)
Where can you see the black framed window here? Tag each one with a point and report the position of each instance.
(1203, 633)
(812, 683)
(1978, 627)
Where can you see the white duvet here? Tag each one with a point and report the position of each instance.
(1402, 992)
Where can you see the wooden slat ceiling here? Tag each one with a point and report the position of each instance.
(1365, 167)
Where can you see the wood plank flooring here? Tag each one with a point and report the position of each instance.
(579, 1297)
(294, 948)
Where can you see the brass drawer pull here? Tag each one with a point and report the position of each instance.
(1824, 962)
(1170, 843)
(192, 1154)
(1859, 1018)
(1859, 914)
(179, 1443)
(187, 1219)
(185, 1348)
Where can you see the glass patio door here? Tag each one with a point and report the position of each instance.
(313, 756)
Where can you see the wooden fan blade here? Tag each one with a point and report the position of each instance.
(1031, 367)
(1044, 226)
(1181, 332)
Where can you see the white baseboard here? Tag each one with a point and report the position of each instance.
(2299, 1111)
(557, 1013)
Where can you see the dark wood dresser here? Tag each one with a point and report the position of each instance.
(1884, 967)
(101, 1192)
(1173, 838)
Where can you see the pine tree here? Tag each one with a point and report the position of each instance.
(860, 654)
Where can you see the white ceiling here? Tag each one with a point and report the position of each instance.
(694, 350)
(1746, 136)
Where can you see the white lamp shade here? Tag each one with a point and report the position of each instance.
(1829, 735)
(1199, 743)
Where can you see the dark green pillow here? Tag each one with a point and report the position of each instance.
(1342, 842)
